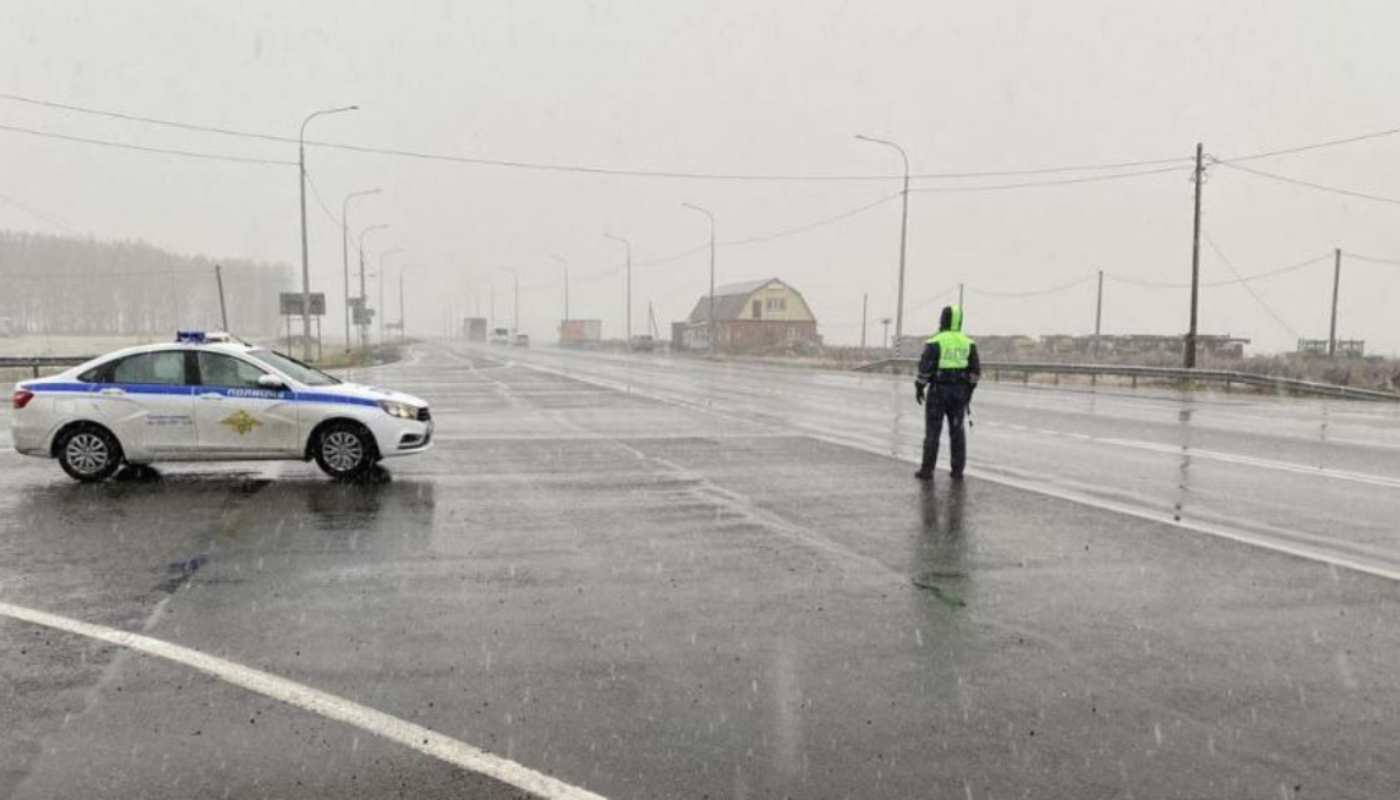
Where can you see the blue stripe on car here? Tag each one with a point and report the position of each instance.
(252, 394)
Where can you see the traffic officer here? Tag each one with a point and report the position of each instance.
(948, 374)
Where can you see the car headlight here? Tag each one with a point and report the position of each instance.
(400, 410)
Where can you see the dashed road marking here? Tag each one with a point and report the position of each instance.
(1297, 550)
(324, 704)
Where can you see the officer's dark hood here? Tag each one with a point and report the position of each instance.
(951, 319)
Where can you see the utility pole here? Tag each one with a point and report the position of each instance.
(403, 320)
(382, 274)
(1336, 286)
(714, 328)
(903, 232)
(960, 294)
(627, 244)
(223, 309)
(1190, 348)
(886, 322)
(305, 260)
(565, 264)
(345, 253)
(864, 306)
(1098, 315)
(364, 297)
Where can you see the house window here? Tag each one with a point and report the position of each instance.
(777, 304)
(757, 310)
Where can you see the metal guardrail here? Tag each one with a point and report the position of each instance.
(1223, 376)
(35, 363)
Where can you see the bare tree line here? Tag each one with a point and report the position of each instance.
(70, 285)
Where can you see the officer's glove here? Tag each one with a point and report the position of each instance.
(919, 393)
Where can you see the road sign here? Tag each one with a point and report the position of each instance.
(362, 315)
(290, 304)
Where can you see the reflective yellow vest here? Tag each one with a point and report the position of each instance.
(954, 346)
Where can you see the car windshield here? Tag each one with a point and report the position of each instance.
(294, 369)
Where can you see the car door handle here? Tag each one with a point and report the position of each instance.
(211, 396)
(112, 392)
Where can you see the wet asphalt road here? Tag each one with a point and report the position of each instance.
(658, 577)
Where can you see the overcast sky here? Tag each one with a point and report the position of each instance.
(739, 88)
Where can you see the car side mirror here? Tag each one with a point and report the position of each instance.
(271, 382)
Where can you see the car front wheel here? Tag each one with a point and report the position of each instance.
(345, 450)
(89, 453)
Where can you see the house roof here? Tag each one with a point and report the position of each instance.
(729, 300)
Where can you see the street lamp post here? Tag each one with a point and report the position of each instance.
(345, 252)
(305, 261)
(515, 315)
(628, 245)
(565, 264)
(403, 321)
(903, 230)
(364, 298)
(391, 251)
(713, 327)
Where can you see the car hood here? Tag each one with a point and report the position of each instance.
(360, 391)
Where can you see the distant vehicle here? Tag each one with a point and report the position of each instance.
(580, 332)
(643, 343)
(522, 340)
(474, 328)
(500, 336)
(206, 397)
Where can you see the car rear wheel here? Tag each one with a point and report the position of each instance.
(345, 450)
(89, 453)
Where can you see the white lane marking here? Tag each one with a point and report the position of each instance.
(1262, 463)
(327, 705)
(1209, 455)
(1243, 537)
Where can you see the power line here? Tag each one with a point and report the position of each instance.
(1150, 284)
(1316, 145)
(1308, 184)
(1372, 259)
(1035, 184)
(934, 298)
(763, 237)
(1035, 292)
(768, 237)
(542, 166)
(1250, 289)
(321, 201)
(145, 148)
(37, 214)
(674, 174)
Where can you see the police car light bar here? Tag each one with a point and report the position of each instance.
(200, 337)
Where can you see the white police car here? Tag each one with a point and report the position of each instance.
(207, 397)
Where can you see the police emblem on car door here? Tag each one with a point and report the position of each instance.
(235, 415)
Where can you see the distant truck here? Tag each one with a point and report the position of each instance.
(580, 332)
(643, 343)
(474, 328)
(500, 336)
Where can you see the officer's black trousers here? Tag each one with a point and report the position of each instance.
(945, 400)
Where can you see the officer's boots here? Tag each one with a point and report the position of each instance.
(925, 472)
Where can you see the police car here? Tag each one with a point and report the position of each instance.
(209, 397)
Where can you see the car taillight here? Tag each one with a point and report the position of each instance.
(22, 397)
